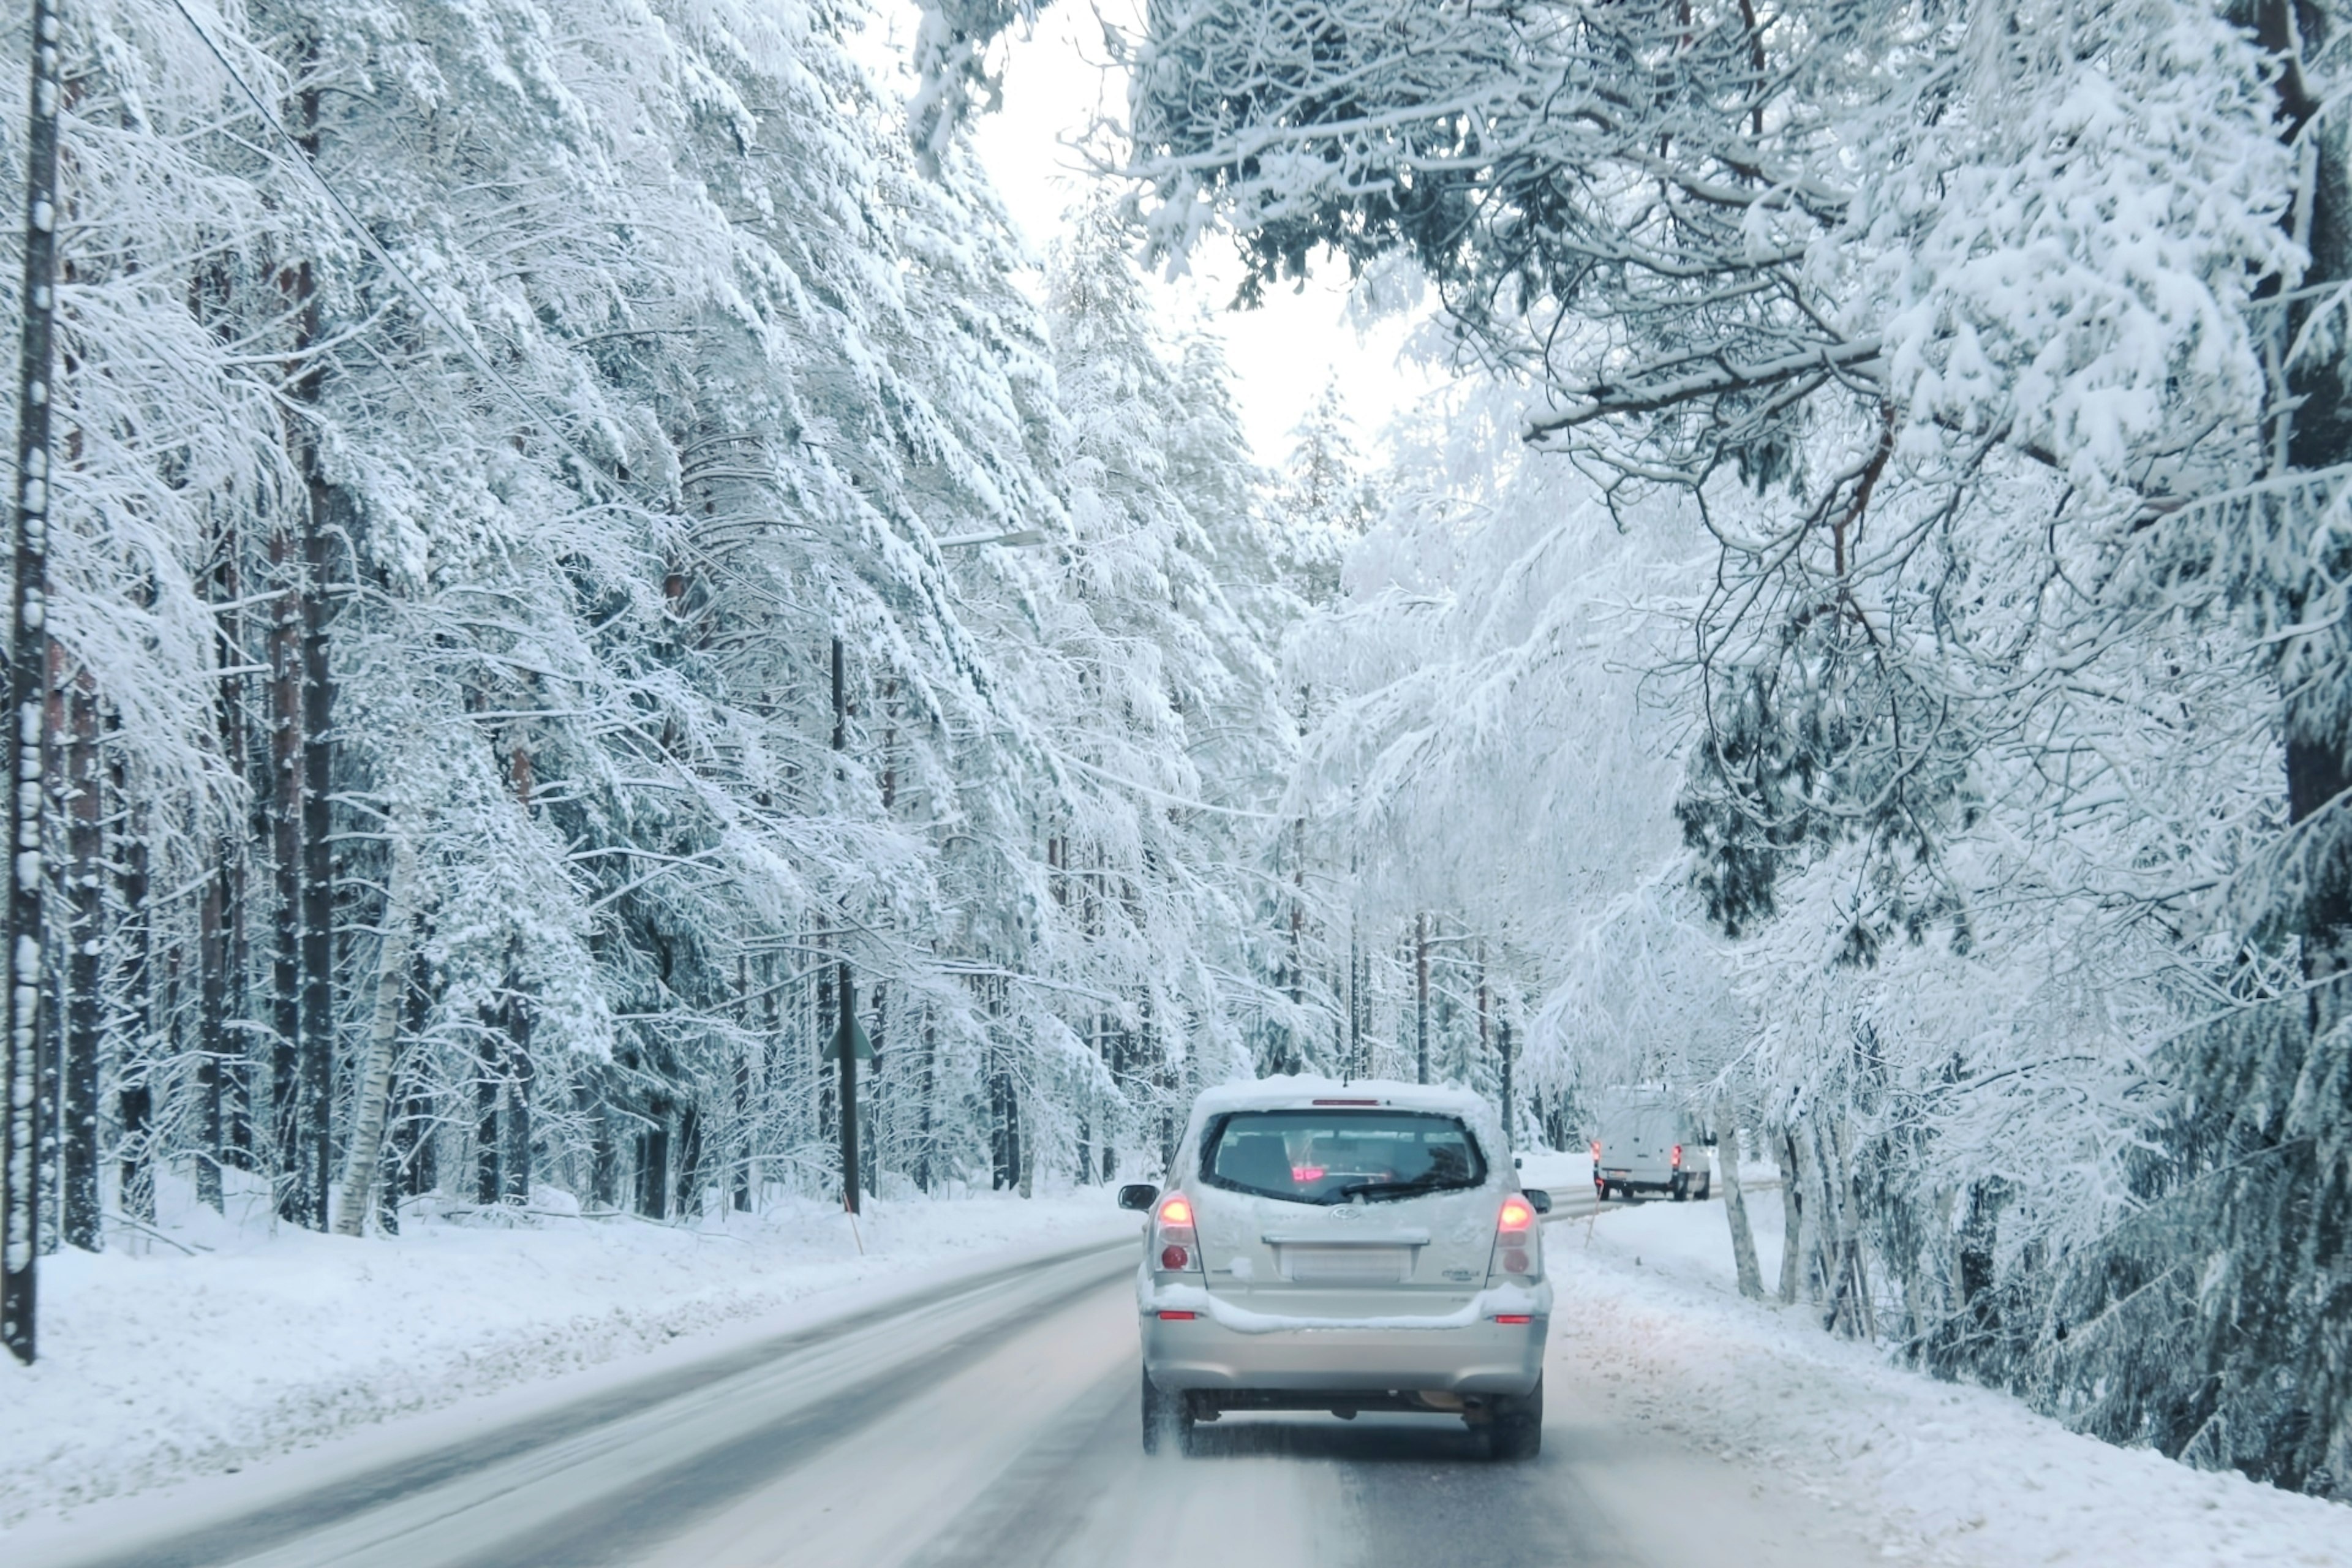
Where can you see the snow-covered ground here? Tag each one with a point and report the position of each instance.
(1931, 1472)
(164, 1368)
(264, 1340)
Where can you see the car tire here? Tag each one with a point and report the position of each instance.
(1515, 1427)
(1705, 1187)
(1166, 1421)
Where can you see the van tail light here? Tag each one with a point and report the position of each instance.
(1678, 1156)
(1517, 1241)
(1596, 1151)
(1177, 1244)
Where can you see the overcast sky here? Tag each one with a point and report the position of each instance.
(1283, 353)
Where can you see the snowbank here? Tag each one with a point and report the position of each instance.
(1648, 1311)
(164, 1366)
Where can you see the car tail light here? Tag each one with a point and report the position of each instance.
(1678, 1156)
(1499, 1317)
(1596, 1151)
(1180, 1317)
(1516, 1247)
(1178, 1243)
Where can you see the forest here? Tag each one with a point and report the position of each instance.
(587, 547)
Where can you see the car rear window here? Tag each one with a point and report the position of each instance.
(1336, 1156)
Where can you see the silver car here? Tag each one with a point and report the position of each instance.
(1343, 1247)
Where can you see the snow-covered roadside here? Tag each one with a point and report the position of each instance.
(1933, 1473)
(162, 1367)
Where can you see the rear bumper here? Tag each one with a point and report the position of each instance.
(1486, 1357)
(1641, 1182)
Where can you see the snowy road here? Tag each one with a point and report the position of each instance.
(994, 1422)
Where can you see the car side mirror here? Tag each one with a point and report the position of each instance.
(1137, 1196)
(1537, 1199)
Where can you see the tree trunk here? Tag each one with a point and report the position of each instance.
(223, 1076)
(1002, 1136)
(515, 1171)
(1503, 1044)
(1486, 1025)
(873, 1105)
(298, 661)
(740, 1140)
(490, 1071)
(23, 1135)
(1297, 1062)
(931, 1071)
(286, 871)
(1792, 1215)
(362, 1161)
(653, 1165)
(318, 1021)
(740, 1144)
(135, 1097)
(84, 900)
(1421, 998)
(689, 1162)
(1735, 1205)
(212, 1029)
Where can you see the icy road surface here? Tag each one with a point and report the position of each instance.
(994, 1422)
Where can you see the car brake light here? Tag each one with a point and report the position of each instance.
(1596, 1151)
(1177, 1317)
(1678, 1156)
(1499, 1317)
(1345, 1102)
(1515, 1236)
(1305, 1173)
(1177, 1239)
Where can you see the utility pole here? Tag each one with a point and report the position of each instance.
(25, 1156)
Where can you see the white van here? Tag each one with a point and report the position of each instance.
(1647, 1142)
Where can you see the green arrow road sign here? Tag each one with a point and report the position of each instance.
(849, 1031)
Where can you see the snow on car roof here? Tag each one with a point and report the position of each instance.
(1284, 1093)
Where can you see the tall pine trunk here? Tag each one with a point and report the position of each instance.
(489, 1073)
(514, 1129)
(284, 813)
(140, 1061)
(85, 900)
(212, 1031)
(1421, 998)
(373, 1104)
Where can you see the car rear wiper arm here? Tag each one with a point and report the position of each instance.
(1396, 1189)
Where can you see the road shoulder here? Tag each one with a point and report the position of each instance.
(327, 1357)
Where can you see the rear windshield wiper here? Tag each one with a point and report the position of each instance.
(1378, 1190)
